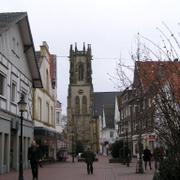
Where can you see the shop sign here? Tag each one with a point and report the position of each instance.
(152, 137)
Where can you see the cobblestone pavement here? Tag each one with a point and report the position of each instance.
(77, 171)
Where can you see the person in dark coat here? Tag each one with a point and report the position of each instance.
(89, 159)
(147, 157)
(158, 156)
(33, 157)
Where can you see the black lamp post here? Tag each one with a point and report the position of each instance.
(127, 149)
(140, 167)
(22, 108)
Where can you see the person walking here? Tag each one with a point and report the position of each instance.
(89, 159)
(158, 156)
(33, 157)
(147, 157)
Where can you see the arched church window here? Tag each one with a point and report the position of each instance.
(84, 104)
(81, 71)
(77, 105)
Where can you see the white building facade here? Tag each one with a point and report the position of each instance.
(45, 104)
(59, 126)
(18, 75)
(108, 133)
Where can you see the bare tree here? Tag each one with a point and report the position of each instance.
(159, 80)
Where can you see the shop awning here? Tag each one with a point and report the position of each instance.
(45, 132)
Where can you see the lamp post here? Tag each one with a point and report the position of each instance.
(22, 108)
(140, 167)
(127, 149)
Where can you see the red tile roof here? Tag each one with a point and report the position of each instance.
(160, 72)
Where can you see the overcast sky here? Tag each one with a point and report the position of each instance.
(110, 26)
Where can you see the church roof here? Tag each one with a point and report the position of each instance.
(102, 99)
(109, 115)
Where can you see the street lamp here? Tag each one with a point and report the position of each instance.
(127, 149)
(22, 108)
(140, 167)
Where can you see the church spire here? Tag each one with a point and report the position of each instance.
(89, 49)
(84, 48)
(71, 50)
(75, 47)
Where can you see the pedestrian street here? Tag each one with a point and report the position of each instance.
(103, 170)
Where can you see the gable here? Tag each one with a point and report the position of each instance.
(17, 25)
(147, 72)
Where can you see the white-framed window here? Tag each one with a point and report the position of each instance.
(52, 117)
(2, 84)
(47, 112)
(39, 108)
(13, 91)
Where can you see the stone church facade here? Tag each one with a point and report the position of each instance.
(80, 98)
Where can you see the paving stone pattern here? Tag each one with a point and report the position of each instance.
(77, 171)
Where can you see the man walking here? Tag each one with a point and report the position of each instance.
(89, 159)
(33, 156)
(147, 157)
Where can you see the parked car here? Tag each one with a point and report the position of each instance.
(81, 157)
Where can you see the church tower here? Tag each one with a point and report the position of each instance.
(80, 98)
